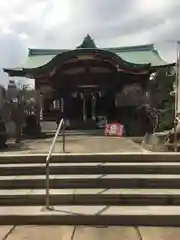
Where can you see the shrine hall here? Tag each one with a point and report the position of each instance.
(88, 82)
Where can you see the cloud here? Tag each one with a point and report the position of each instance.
(64, 23)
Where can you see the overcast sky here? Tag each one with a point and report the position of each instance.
(64, 23)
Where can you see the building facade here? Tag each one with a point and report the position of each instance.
(88, 82)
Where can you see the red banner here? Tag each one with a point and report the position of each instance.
(114, 129)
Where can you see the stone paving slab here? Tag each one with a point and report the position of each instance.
(105, 233)
(4, 230)
(159, 233)
(41, 233)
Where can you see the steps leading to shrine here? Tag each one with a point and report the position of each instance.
(92, 181)
(91, 189)
(92, 215)
(107, 168)
(116, 197)
(123, 157)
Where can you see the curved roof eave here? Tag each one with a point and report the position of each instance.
(64, 56)
(74, 53)
(162, 60)
(163, 65)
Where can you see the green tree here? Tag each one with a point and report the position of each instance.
(161, 89)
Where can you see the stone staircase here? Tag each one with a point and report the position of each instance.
(91, 189)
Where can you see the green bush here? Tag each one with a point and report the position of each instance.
(166, 121)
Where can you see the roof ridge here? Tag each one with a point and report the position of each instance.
(55, 51)
(44, 51)
(146, 47)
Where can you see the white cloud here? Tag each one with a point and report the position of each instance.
(64, 23)
(154, 6)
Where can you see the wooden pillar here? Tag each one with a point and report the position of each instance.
(39, 101)
(84, 108)
(62, 106)
(41, 107)
(93, 106)
(38, 105)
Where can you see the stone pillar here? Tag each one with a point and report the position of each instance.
(84, 108)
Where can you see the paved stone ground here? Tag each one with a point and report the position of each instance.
(76, 144)
(88, 233)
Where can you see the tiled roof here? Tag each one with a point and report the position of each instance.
(143, 54)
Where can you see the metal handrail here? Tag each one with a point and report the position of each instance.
(60, 126)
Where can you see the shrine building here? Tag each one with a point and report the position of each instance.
(87, 82)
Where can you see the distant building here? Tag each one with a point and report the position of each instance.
(12, 90)
(2, 96)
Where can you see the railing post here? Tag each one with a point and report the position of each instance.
(47, 187)
(47, 181)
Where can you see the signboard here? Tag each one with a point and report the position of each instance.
(114, 129)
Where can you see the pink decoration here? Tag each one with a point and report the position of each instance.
(114, 129)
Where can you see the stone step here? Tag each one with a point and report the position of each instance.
(92, 181)
(91, 197)
(91, 157)
(91, 168)
(91, 215)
